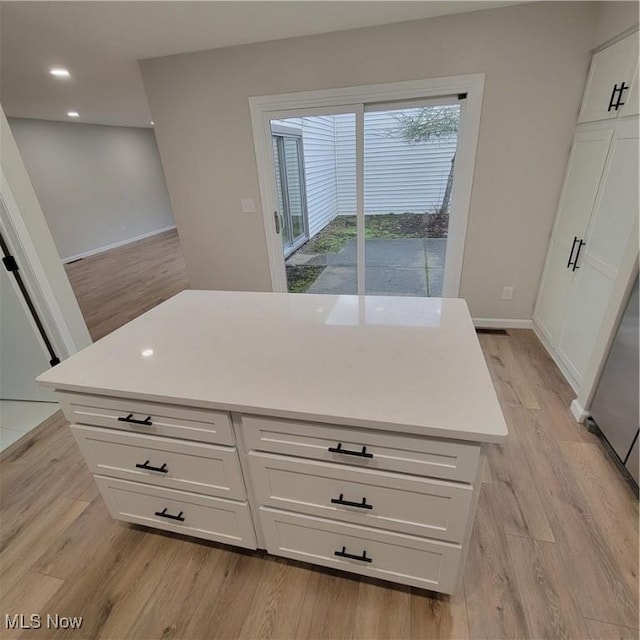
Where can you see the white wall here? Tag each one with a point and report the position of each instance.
(22, 356)
(615, 18)
(68, 320)
(535, 57)
(97, 185)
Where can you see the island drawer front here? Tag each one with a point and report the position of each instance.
(408, 504)
(163, 420)
(178, 464)
(202, 516)
(419, 562)
(415, 455)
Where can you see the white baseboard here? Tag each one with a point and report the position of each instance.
(502, 323)
(578, 411)
(121, 243)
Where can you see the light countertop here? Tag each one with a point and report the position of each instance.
(399, 363)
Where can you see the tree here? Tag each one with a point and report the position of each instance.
(426, 124)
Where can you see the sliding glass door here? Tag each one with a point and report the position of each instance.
(288, 162)
(365, 195)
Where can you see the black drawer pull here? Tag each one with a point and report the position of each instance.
(351, 556)
(148, 467)
(347, 452)
(575, 262)
(130, 418)
(573, 246)
(348, 503)
(164, 514)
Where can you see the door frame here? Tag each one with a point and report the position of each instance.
(34, 274)
(283, 132)
(352, 99)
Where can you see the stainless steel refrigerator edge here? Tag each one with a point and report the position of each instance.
(615, 404)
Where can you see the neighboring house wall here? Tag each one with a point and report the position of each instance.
(319, 140)
(535, 57)
(399, 176)
(98, 186)
(319, 143)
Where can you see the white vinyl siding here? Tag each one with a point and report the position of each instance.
(318, 138)
(318, 141)
(399, 177)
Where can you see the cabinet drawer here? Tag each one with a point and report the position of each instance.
(200, 516)
(408, 504)
(389, 451)
(191, 466)
(391, 556)
(148, 417)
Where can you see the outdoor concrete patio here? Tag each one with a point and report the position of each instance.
(393, 266)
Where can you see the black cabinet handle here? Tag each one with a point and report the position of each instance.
(164, 514)
(148, 467)
(573, 246)
(130, 418)
(575, 262)
(351, 556)
(615, 101)
(347, 452)
(348, 503)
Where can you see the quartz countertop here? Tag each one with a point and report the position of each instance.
(398, 363)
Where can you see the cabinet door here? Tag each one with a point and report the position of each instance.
(631, 107)
(616, 208)
(584, 171)
(609, 69)
(614, 223)
(554, 291)
(585, 310)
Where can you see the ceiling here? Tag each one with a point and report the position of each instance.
(101, 42)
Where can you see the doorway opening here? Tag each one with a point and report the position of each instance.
(369, 196)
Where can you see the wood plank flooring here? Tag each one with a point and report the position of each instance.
(117, 286)
(554, 551)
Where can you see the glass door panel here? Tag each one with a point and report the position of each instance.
(409, 157)
(315, 180)
(296, 219)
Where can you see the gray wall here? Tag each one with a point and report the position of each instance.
(97, 185)
(535, 57)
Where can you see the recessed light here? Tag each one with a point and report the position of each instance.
(73, 114)
(147, 353)
(59, 72)
(151, 123)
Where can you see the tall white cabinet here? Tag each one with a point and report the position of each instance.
(597, 219)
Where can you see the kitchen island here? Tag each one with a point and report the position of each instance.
(345, 431)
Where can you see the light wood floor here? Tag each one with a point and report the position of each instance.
(117, 286)
(554, 552)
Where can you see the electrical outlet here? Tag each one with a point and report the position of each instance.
(507, 293)
(248, 205)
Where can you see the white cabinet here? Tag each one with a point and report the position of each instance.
(597, 218)
(610, 78)
(363, 500)
(612, 226)
(584, 170)
(631, 106)
(597, 214)
(214, 438)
